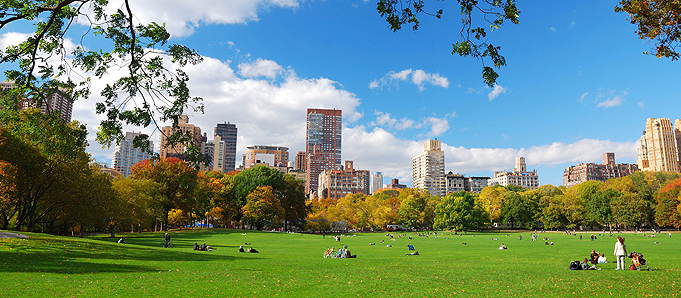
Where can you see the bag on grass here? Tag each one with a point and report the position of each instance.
(574, 265)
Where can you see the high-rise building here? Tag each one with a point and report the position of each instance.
(125, 155)
(376, 182)
(56, 102)
(227, 132)
(657, 148)
(597, 172)
(179, 149)
(428, 169)
(520, 176)
(341, 182)
(322, 145)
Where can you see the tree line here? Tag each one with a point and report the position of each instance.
(48, 183)
(644, 199)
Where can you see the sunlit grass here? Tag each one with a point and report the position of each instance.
(292, 265)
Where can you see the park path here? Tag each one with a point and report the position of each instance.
(11, 235)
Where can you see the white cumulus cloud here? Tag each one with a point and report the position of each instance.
(260, 68)
(417, 77)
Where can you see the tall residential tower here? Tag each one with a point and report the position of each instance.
(657, 148)
(126, 155)
(322, 145)
(226, 132)
(428, 169)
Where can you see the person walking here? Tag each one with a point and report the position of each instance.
(166, 241)
(620, 252)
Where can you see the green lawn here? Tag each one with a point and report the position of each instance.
(292, 265)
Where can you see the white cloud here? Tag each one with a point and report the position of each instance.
(610, 102)
(437, 126)
(581, 98)
(496, 91)
(460, 159)
(553, 29)
(260, 68)
(418, 78)
(181, 17)
(641, 104)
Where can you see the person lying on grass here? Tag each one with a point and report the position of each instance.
(502, 247)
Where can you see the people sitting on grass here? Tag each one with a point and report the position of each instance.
(196, 246)
(241, 248)
(410, 247)
(122, 241)
(502, 247)
(602, 259)
(593, 258)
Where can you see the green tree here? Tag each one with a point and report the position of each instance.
(293, 199)
(46, 152)
(515, 209)
(629, 209)
(417, 208)
(597, 210)
(457, 212)
(142, 198)
(147, 93)
(472, 37)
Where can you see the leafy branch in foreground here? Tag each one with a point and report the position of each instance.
(151, 90)
(471, 38)
(658, 21)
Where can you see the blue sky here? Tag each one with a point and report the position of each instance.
(576, 85)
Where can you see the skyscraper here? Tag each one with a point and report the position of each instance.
(126, 155)
(657, 148)
(428, 168)
(227, 132)
(55, 102)
(376, 182)
(179, 149)
(322, 144)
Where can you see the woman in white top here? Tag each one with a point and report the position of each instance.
(620, 252)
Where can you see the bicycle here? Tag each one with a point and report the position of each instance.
(163, 244)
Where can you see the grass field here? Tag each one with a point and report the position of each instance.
(291, 265)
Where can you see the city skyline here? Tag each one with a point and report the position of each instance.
(576, 84)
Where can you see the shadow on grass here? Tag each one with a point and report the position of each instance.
(54, 254)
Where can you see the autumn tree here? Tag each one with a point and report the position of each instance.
(668, 209)
(417, 208)
(143, 200)
(176, 181)
(262, 207)
(658, 21)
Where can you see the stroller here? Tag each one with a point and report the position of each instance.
(637, 261)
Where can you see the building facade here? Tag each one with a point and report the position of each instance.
(56, 102)
(179, 149)
(336, 184)
(125, 155)
(583, 172)
(395, 185)
(273, 156)
(658, 146)
(300, 163)
(376, 182)
(428, 169)
(520, 176)
(458, 182)
(227, 132)
(324, 129)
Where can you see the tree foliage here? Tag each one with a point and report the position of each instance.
(658, 21)
(152, 89)
(472, 37)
